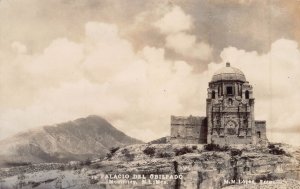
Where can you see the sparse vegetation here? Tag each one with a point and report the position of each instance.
(96, 166)
(62, 168)
(109, 156)
(128, 155)
(16, 164)
(112, 151)
(164, 155)
(93, 181)
(220, 166)
(182, 151)
(162, 140)
(215, 147)
(268, 177)
(124, 151)
(236, 152)
(276, 150)
(271, 146)
(150, 151)
(86, 162)
(21, 177)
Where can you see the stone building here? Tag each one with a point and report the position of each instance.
(229, 114)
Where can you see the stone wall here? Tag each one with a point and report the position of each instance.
(188, 130)
(260, 127)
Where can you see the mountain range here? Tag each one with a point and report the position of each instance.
(80, 139)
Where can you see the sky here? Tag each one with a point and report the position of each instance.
(137, 62)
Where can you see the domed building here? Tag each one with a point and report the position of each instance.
(229, 114)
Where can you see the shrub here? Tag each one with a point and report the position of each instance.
(164, 155)
(124, 151)
(268, 177)
(194, 147)
(86, 162)
(129, 157)
(150, 151)
(215, 147)
(236, 152)
(271, 146)
(62, 168)
(112, 152)
(93, 181)
(114, 149)
(183, 150)
(276, 150)
(109, 155)
(16, 164)
(220, 166)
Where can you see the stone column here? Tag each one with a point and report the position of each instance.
(253, 133)
(209, 119)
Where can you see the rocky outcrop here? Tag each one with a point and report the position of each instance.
(204, 169)
(177, 166)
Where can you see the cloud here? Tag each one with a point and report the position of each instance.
(102, 75)
(19, 47)
(96, 67)
(107, 51)
(186, 44)
(137, 90)
(174, 21)
(175, 24)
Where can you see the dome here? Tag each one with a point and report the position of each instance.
(229, 73)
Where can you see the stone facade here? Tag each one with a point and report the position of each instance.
(229, 114)
(188, 130)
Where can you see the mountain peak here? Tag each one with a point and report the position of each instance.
(91, 136)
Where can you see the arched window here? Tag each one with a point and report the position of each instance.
(247, 94)
(213, 94)
(229, 90)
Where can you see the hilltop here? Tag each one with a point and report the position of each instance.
(201, 166)
(80, 139)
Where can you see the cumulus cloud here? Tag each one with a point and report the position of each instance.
(176, 24)
(186, 44)
(18, 47)
(137, 89)
(107, 51)
(102, 74)
(176, 20)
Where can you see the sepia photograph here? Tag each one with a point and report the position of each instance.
(149, 94)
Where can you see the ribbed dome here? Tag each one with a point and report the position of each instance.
(229, 73)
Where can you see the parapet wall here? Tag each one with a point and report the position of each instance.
(188, 130)
(261, 133)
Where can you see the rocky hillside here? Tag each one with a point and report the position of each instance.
(157, 165)
(208, 166)
(83, 138)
